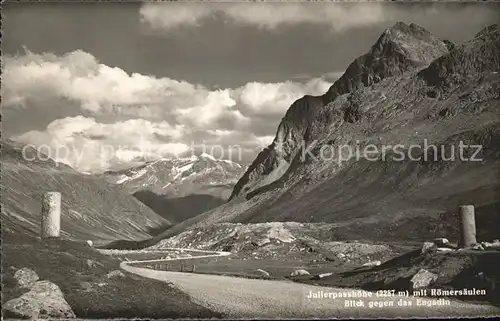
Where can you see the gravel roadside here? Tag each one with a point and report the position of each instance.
(251, 298)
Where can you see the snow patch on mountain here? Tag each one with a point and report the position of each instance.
(227, 161)
(208, 156)
(122, 179)
(185, 167)
(179, 177)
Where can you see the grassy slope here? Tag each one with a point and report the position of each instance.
(65, 263)
(91, 207)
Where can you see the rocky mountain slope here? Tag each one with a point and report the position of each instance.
(400, 49)
(180, 188)
(91, 207)
(409, 88)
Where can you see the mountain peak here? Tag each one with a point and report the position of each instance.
(411, 28)
(409, 41)
(475, 56)
(402, 48)
(200, 174)
(399, 49)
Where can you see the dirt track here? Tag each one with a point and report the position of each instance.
(253, 298)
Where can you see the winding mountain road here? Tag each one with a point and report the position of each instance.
(256, 298)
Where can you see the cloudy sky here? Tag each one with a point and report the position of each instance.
(107, 84)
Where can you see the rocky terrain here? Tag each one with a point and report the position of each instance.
(301, 253)
(91, 207)
(279, 241)
(408, 88)
(431, 268)
(62, 279)
(180, 188)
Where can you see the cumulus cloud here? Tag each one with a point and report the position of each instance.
(79, 76)
(264, 99)
(178, 13)
(272, 15)
(89, 146)
(442, 17)
(340, 16)
(124, 117)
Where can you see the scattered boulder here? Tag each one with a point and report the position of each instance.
(422, 279)
(441, 241)
(90, 263)
(341, 255)
(428, 246)
(324, 275)
(372, 263)
(299, 272)
(478, 247)
(262, 242)
(115, 274)
(90, 243)
(487, 282)
(86, 286)
(263, 273)
(26, 278)
(491, 245)
(444, 249)
(485, 244)
(45, 300)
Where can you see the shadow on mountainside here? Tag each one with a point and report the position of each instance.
(81, 273)
(178, 209)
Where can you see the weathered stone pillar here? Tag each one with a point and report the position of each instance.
(467, 226)
(51, 215)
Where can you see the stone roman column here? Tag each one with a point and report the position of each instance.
(51, 215)
(467, 226)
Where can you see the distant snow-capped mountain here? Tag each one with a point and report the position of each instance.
(180, 188)
(180, 177)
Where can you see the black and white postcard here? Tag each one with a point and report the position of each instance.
(250, 159)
